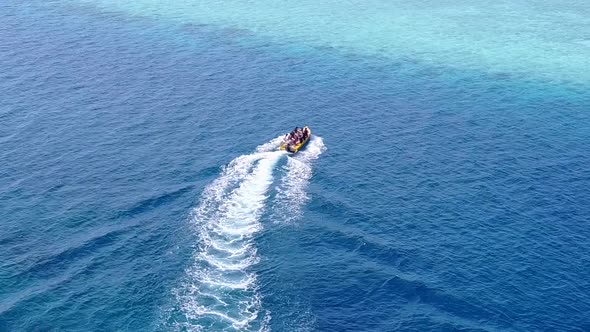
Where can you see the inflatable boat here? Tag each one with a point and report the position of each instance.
(295, 140)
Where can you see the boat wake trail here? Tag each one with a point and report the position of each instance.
(291, 193)
(220, 291)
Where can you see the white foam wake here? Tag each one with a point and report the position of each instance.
(220, 291)
(291, 193)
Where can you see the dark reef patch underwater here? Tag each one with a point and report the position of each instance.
(445, 188)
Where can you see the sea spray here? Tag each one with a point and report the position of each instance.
(220, 291)
(291, 192)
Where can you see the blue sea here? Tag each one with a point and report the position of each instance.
(446, 186)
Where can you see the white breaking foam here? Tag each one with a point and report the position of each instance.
(291, 193)
(220, 292)
(270, 146)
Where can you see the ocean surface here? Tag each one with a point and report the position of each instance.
(446, 186)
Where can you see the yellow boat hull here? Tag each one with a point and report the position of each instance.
(295, 148)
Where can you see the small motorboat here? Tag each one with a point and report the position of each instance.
(295, 140)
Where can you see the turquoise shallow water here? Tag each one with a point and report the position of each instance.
(525, 39)
(140, 189)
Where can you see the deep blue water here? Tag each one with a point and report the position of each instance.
(140, 189)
